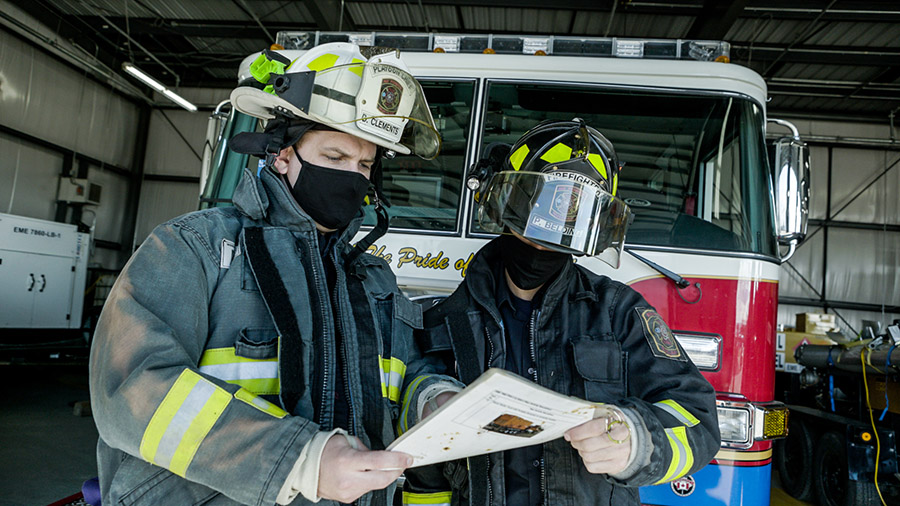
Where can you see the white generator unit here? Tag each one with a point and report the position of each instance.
(43, 266)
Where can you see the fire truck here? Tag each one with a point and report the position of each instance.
(713, 217)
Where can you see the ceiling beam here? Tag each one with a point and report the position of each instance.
(716, 19)
(329, 15)
(826, 55)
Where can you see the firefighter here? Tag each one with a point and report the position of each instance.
(251, 354)
(526, 307)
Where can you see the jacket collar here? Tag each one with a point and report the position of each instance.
(267, 198)
(486, 272)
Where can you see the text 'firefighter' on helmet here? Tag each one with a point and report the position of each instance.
(374, 98)
(556, 186)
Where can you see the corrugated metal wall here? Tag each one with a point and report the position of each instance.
(852, 252)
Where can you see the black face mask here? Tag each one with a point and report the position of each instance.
(529, 267)
(331, 197)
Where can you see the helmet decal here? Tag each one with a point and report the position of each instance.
(323, 62)
(597, 161)
(558, 153)
(389, 98)
(518, 156)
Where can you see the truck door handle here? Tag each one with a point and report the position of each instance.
(31, 286)
(43, 283)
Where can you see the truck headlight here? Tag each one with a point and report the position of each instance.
(734, 426)
(703, 350)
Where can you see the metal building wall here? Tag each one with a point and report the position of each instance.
(849, 263)
(55, 119)
(171, 185)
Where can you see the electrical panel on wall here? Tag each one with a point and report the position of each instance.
(79, 191)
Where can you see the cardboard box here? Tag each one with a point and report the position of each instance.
(786, 343)
(816, 323)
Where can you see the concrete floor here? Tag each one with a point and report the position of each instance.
(46, 452)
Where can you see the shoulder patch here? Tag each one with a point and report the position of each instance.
(659, 337)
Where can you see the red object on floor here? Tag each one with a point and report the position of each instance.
(71, 500)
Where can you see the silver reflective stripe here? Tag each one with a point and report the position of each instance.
(242, 370)
(394, 379)
(677, 414)
(181, 422)
(681, 454)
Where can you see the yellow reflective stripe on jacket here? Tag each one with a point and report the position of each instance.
(558, 153)
(682, 456)
(682, 415)
(260, 403)
(392, 372)
(434, 498)
(182, 420)
(402, 425)
(615, 184)
(518, 157)
(259, 376)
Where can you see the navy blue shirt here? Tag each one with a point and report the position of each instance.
(522, 466)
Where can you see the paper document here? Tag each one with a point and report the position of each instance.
(498, 411)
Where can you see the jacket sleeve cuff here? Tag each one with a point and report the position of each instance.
(430, 393)
(304, 476)
(641, 445)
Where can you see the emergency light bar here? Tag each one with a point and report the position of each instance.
(613, 47)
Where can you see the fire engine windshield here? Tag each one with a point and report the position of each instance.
(696, 173)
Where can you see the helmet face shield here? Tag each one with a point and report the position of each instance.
(561, 210)
(376, 101)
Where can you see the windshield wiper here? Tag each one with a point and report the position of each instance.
(679, 281)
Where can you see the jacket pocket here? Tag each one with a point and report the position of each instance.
(257, 343)
(600, 366)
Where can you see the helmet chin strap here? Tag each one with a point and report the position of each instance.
(363, 244)
(381, 225)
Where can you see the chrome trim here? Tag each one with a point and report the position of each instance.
(700, 335)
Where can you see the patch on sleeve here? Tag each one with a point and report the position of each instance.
(659, 337)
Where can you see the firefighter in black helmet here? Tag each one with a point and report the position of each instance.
(525, 306)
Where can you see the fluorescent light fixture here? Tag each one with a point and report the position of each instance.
(159, 87)
(174, 97)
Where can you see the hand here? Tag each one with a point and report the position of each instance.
(437, 402)
(603, 443)
(346, 473)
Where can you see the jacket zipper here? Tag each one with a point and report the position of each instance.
(338, 328)
(314, 254)
(535, 315)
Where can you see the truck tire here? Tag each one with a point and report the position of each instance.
(831, 479)
(793, 458)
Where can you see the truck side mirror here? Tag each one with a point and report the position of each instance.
(790, 172)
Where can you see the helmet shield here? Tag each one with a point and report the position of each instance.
(562, 210)
(375, 101)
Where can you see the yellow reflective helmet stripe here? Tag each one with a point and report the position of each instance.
(260, 403)
(597, 161)
(356, 69)
(259, 376)
(518, 156)
(558, 153)
(433, 498)
(677, 410)
(323, 62)
(682, 456)
(182, 420)
(392, 372)
(402, 425)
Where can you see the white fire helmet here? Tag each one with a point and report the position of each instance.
(374, 98)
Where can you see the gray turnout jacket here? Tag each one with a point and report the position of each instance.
(592, 338)
(202, 394)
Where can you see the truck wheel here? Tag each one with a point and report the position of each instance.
(830, 476)
(832, 480)
(793, 458)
